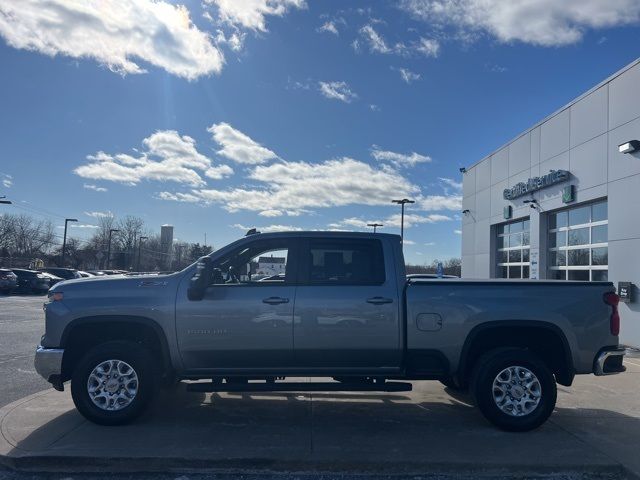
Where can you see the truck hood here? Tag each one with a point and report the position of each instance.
(113, 283)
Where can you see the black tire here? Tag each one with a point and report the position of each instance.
(487, 369)
(134, 355)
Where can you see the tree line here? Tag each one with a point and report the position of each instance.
(25, 239)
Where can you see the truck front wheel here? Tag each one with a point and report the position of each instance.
(514, 389)
(113, 382)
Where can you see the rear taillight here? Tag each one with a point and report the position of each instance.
(612, 299)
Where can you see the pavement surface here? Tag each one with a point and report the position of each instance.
(430, 433)
(21, 326)
(595, 430)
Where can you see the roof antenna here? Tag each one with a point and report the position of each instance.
(252, 231)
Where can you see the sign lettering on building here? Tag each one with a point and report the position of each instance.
(536, 183)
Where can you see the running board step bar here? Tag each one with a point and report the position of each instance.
(300, 387)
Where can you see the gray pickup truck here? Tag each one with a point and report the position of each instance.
(329, 305)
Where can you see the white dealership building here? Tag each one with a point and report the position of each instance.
(562, 200)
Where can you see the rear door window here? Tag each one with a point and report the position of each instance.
(344, 262)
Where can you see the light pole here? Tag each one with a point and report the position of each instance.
(402, 203)
(64, 239)
(109, 246)
(140, 251)
(374, 225)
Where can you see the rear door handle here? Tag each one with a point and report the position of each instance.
(275, 300)
(379, 300)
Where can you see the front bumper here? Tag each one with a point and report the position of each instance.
(48, 363)
(609, 361)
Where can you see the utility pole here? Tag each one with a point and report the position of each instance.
(374, 225)
(109, 246)
(64, 239)
(140, 252)
(402, 203)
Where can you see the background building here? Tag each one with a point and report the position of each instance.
(562, 200)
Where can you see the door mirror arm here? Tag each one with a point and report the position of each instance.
(201, 280)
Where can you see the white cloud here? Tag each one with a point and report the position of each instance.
(394, 220)
(7, 180)
(439, 202)
(99, 214)
(537, 22)
(168, 156)
(408, 76)
(239, 147)
(270, 228)
(329, 27)
(376, 42)
(80, 225)
(337, 91)
(95, 188)
(114, 34)
(250, 14)
(451, 183)
(373, 107)
(271, 213)
(399, 159)
(296, 186)
(458, 232)
(234, 40)
(411, 219)
(408, 242)
(429, 47)
(429, 244)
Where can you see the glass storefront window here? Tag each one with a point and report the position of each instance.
(512, 244)
(578, 243)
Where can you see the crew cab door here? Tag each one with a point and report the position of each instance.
(347, 307)
(245, 320)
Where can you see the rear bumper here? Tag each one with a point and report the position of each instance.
(609, 361)
(48, 364)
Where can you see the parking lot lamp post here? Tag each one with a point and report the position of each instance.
(64, 239)
(140, 252)
(402, 204)
(374, 225)
(109, 246)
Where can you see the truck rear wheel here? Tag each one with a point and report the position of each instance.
(113, 383)
(513, 389)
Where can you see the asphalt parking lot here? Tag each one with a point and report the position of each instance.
(425, 434)
(21, 326)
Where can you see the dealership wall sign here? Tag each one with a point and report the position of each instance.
(536, 183)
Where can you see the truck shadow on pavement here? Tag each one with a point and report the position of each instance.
(424, 429)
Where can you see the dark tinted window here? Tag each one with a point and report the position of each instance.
(345, 262)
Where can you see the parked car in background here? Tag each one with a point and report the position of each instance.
(84, 274)
(8, 280)
(31, 281)
(53, 279)
(101, 273)
(64, 273)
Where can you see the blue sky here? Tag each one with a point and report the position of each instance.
(221, 115)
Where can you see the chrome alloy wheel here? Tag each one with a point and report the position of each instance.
(516, 391)
(112, 385)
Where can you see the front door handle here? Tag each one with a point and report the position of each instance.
(275, 300)
(379, 300)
